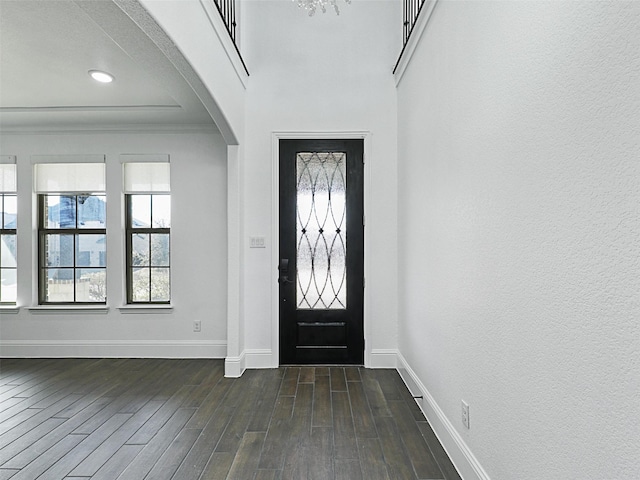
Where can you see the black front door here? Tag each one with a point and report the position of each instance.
(321, 266)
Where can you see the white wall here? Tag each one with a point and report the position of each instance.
(198, 254)
(519, 175)
(319, 74)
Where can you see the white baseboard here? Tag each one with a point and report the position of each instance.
(234, 367)
(112, 349)
(264, 358)
(260, 359)
(459, 453)
(381, 358)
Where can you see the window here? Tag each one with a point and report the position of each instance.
(8, 229)
(72, 236)
(73, 249)
(148, 229)
(8, 250)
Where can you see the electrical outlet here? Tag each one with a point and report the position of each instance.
(197, 326)
(465, 414)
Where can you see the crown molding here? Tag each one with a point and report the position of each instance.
(112, 129)
(92, 108)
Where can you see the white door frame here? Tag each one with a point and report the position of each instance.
(275, 215)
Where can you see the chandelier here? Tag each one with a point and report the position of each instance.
(312, 5)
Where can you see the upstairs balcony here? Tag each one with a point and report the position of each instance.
(410, 15)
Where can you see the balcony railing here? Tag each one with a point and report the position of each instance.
(410, 13)
(227, 9)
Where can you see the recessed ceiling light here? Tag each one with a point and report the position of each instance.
(100, 76)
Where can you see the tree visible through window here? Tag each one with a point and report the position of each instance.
(148, 241)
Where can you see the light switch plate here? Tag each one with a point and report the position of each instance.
(256, 242)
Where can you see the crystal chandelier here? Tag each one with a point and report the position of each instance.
(312, 5)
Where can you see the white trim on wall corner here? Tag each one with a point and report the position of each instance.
(234, 367)
(464, 460)
(113, 349)
(418, 29)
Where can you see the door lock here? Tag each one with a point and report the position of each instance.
(283, 278)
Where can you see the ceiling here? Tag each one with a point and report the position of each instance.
(46, 50)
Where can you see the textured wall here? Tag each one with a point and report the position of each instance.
(519, 191)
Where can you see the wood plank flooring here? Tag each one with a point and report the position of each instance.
(135, 419)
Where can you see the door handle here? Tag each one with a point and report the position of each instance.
(283, 267)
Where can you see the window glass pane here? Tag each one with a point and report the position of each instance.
(59, 285)
(160, 250)
(321, 230)
(161, 211)
(8, 284)
(140, 249)
(140, 284)
(9, 211)
(8, 251)
(60, 211)
(59, 250)
(91, 285)
(90, 250)
(140, 211)
(92, 211)
(160, 288)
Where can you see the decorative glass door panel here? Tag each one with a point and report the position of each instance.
(321, 230)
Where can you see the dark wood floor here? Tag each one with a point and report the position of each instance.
(135, 419)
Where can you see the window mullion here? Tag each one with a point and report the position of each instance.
(75, 249)
(43, 241)
(41, 248)
(150, 279)
(75, 262)
(150, 230)
(73, 231)
(150, 258)
(129, 253)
